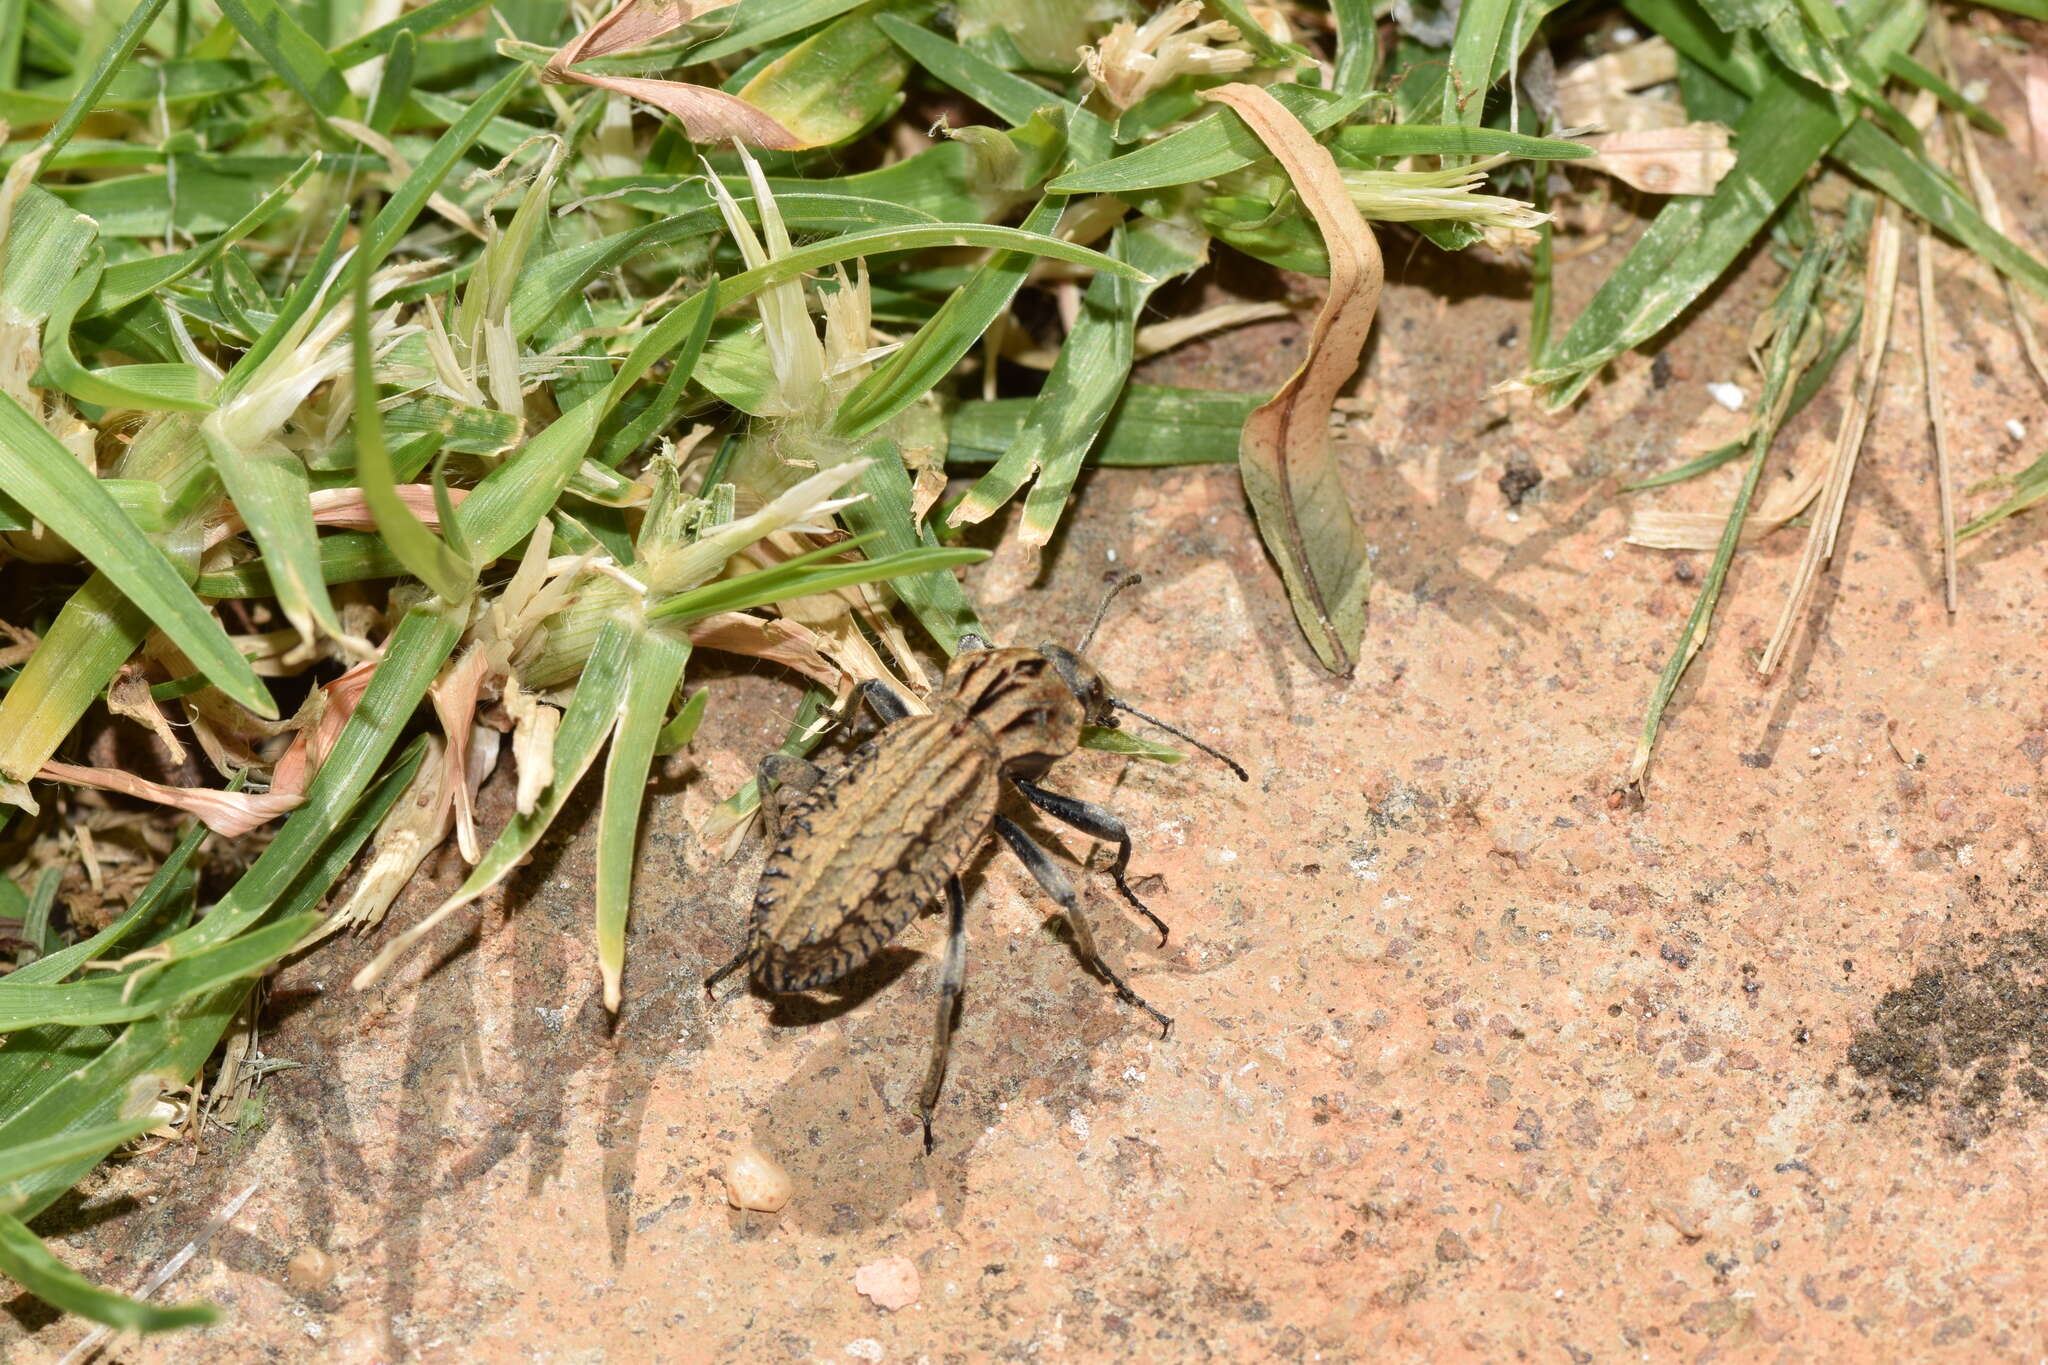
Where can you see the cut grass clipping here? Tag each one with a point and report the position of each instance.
(390, 402)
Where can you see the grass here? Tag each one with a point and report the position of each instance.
(362, 383)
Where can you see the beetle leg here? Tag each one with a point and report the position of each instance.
(883, 701)
(952, 976)
(711, 981)
(1090, 818)
(780, 779)
(1048, 875)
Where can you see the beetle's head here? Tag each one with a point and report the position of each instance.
(1089, 687)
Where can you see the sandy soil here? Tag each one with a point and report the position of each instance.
(1472, 1059)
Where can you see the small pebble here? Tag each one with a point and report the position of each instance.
(752, 1181)
(2015, 428)
(311, 1271)
(1729, 396)
(890, 1283)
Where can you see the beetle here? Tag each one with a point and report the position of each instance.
(856, 854)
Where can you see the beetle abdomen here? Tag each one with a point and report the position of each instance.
(862, 854)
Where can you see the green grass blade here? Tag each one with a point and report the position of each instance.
(151, 989)
(501, 512)
(421, 551)
(782, 583)
(1871, 154)
(272, 494)
(1112, 741)
(95, 632)
(2029, 487)
(31, 1158)
(1792, 308)
(654, 675)
(932, 593)
(412, 656)
(938, 346)
(104, 71)
(292, 54)
(29, 1264)
(833, 85)
(435, 14)
(1216, 144)
(396, 217)
(1906, 69)
(757, 23)
(1086, 380)
(1151, 427)
(1421, 139)
(683, 728)
(44, 477)
(589, 720)
(395, 85)
(1009, 96)
(169, 876)
(1357, 46)
(1475, 44)
(143, 388)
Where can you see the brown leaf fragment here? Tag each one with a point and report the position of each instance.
(707, 115)
(230, 814)
(1687, 160)
(1290, 476)
(786, 642)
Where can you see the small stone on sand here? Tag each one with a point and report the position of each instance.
(890, 1283)
(752, 1181)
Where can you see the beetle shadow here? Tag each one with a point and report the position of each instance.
(843, 996)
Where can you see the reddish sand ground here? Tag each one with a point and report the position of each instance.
(1472, 1060)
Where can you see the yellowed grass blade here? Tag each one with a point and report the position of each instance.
(1880, 287)
(1290, 476)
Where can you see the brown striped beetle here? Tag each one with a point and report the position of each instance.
(857, 853)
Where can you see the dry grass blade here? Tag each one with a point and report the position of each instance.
(1937, 418)
(1295, 488)
(95, 1341)
(708, 115)
(228, 814)
(1879, 290)
(1994, 213)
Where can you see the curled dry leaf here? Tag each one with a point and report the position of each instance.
(231, 814)
(707, 115)
(1291, 478)
(455, 695)
(129, 696)
(310, 747)
(785, 642)
(1685, 160)
(348, 510)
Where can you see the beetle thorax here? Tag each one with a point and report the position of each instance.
(1020, 699)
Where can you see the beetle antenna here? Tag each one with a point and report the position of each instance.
(1218, 754)
(1129, 580)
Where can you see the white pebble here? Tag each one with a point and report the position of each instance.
(890, 1283)
(2015, 428)
(752, 1181)
(1729, 396)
